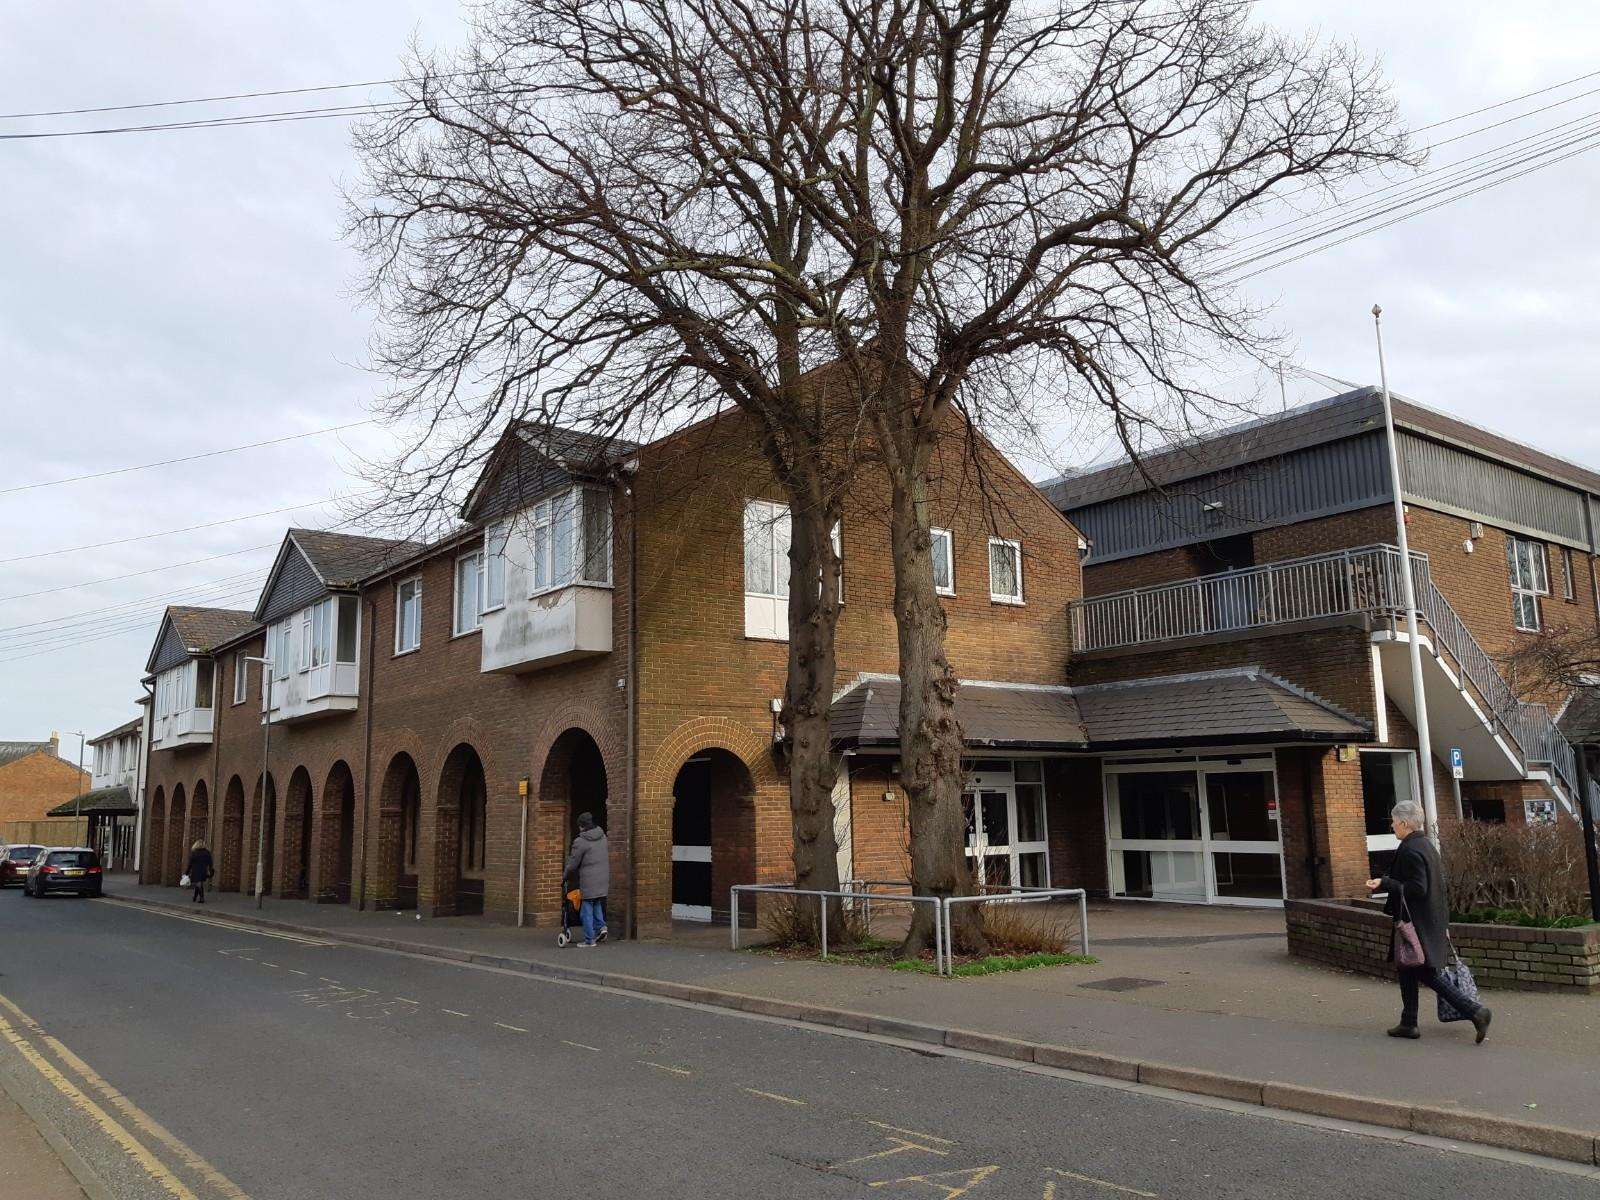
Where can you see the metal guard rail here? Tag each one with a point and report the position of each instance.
(1012, 895)
(822, 895)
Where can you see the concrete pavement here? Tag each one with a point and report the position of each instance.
(252, 1064)
(1208, 989)
(28, 1165)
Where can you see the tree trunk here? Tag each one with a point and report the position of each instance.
(808, 699)
(931, 741)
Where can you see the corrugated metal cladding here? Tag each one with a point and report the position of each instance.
(170, 650)
(1492, 492)
(296, 586)
(1319, 480)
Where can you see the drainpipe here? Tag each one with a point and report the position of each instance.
(1590, 855)
(633, 707)
(366, 763)
(1309, 806)
(216, 751)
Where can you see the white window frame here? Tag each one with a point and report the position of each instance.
(304, 663)
(949, 540)
(1569, 587)
(401, 632)
(1528, 564)
(563, 516)
(1019, 598)
(467, 619)
(495, 539)
(241, 678)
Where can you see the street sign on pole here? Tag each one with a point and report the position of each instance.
(1457, 769)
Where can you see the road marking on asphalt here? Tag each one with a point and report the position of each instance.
(325, 979)
(663, 1067)
(579, 1045)
(1050, 1185)
(513, 1028)
(265, 963)
(969, 1177)
(454, 1013)
(131, 1145)
(292, 971)
(927, 1137)
(775, 1096)
(897, 1145)
(234, 926)
(403, 1000)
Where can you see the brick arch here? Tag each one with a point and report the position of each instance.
(752, 747)
(175, 852)
(294, 857)
(334, 844)
(199, 817)
(587, 717)
(459, 827)
(230, 850)
(155, 836)
(391, 879)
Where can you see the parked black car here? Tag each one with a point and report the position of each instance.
(64, 869)
(14, 862)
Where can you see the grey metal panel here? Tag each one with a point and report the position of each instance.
(296, 586)
(170, 650)
(1319, 480)
(1490, 491)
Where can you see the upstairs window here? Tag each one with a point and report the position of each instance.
(944, 563)
(203, 680)
(494, 565)
(345, 632)
(1530, 579)
(322, 623)
(1568, 583)
(572, 539)
(241, 677)
(469, 592)
(766, 569)
(407, 616)
(1005, 571)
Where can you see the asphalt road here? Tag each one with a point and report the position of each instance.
(186, 1059)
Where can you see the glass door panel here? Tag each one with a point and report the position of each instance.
(1156, 840)
(1242, 835)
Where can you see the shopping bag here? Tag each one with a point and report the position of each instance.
(184, 882)
(1458, 975)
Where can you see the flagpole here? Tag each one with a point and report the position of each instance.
(1430, 809)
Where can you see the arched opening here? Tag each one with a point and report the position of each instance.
(263, 835)
(177, 825)
(155, 837)
(461, 834)
(336, 840)
(199, 818)
(574, 777)
(230, 840)
(296, 858)
(399, 824)
(713, 835)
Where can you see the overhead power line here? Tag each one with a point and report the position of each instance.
(299, 91)
(168, 462)
(108, 611)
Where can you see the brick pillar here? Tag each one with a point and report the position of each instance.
(1341, 824)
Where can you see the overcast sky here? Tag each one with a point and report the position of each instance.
(170, 293)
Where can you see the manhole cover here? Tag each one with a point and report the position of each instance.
(1123, 983)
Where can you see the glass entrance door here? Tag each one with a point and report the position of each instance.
(1242, 835)
(1006, 840)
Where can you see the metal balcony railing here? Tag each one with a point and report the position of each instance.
(1364, 580)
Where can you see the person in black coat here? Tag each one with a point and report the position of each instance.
(199, 870)
(1416, 890)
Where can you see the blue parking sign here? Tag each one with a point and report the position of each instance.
(1457, 770)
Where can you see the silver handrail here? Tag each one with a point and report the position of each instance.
(822, 896)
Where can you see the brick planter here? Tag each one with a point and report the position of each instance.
(1354, 935)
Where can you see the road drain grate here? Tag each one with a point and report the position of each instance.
(1123, 983)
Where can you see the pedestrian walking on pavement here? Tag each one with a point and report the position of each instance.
(1416, 893)
(199, 870)
(589, 868)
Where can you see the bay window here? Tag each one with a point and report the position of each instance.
(571, 540)
(493, 585)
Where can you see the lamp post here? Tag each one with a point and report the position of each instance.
(266, 752)
(1430, 808)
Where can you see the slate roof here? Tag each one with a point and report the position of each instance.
(1241, 705)
(125, 728)
(1580, 716)
(202, 628)
(11, 751)
(533, 459)
(344, 558)
(112, 801)
(1238, 706)
(993, 715)
(1327, 420)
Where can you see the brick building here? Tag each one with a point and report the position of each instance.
(34, 778)
(1269, 547)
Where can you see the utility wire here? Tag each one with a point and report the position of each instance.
(104, 611)
(167, 462)
(301, 91)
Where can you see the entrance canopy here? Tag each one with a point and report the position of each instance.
(1242, 706)
(105, 802)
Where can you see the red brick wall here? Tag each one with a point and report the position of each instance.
(32, 785)
(1075, 800)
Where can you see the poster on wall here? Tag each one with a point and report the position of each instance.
(1539, 812)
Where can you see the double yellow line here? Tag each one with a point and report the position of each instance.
(217, 1183)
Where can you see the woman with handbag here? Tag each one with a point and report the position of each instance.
(198, 871)
(1419, 944)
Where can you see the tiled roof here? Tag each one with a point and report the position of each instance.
(343, 558)
(1240, 705)
(1234, 706)
(1580, 716)
(113, 801)
(573, 449)
(11, 751)
(202, 628)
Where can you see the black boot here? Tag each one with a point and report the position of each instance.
(1480, 1022)
(1405, 1031)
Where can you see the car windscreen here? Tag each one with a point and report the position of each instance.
(24, 853)
(73, 858)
